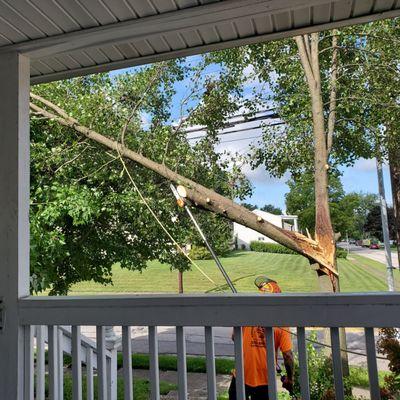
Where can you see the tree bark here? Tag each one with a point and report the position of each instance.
(324, 234)
(200, 195)
(308, 46)
(394, 167)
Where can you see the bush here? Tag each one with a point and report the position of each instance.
(341, 253)
(279, 249)
(389, 346)
(199, 253)
(270, 248)
(320, 370)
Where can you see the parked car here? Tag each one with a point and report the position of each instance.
(374, 246)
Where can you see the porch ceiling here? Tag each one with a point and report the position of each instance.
(77, 37)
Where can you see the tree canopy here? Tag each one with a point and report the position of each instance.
(85, 215)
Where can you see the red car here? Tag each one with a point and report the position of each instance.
(374, 246)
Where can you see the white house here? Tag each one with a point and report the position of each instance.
(243, 235)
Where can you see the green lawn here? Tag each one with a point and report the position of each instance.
(358, 274)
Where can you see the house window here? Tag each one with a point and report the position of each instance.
(261, 238)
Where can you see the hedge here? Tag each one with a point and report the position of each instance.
(270, 248)
(276, 248)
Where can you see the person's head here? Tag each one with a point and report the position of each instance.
(267, 285)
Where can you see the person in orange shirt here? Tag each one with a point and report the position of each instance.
(255, 353)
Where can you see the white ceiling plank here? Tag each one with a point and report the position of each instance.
(101, 12)
(342, 9)
(128, 50)
(263, 25)
(12, 33)
(209, 35)
(382, 5)
(120, 9)
(321, 14)
(143, 47)
(245, 27)
(143, 8)
(21, 23)
(302, 17)
(33, 14)
(362, 7)
(283, 21)
(151, 58)
(80, 13)
(187, 19)
(56, 13)
(112, 52)
(97, 55)
(175, 41)
(163, 6)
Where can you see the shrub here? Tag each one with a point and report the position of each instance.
(199, 253)
(279, 249)
(270, 248)
(341, 253)
(389, 346)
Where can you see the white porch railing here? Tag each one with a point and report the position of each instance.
(311, 310)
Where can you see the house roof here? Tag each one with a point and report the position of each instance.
(77, 37)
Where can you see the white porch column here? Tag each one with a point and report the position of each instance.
(14, 217)
(296, 224)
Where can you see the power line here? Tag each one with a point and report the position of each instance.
(237, 130)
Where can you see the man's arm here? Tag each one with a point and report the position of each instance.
(288, 360)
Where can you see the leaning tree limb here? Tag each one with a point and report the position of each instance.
(196, 193)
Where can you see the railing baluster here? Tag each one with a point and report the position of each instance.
(154, 374)
(303, 364)
(53, 362)
(238, 346)
(127, 362)
(29, 362)
(40, 366)
(60, 344)
(271, 363)
(210, 359)
(337, 364)
(181, 350)
(89, 374)
(76, 363)
(101, 363)
(372, 364)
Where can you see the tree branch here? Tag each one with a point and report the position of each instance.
(200, 195)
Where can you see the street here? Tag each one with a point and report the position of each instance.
(373, 254)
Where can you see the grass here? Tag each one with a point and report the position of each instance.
(359, 377)
(358, 274)
(141, 388)
(223, 366)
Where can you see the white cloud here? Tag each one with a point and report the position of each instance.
(365, 165)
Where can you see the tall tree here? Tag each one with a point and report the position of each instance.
(317, 84)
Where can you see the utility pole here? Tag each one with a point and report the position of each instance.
(385, 226)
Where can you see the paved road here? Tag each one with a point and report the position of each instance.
(373, 254)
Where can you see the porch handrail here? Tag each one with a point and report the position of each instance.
(321, 310)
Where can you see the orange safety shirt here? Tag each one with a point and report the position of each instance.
(255, 352)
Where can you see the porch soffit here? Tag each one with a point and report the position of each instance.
(77, 37)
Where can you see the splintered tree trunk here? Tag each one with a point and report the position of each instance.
(323, 137)
(394, 166)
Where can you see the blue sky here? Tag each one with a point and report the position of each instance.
(361, 177)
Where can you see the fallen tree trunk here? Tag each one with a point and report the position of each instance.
(198, 194)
